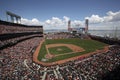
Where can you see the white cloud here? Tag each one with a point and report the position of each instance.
(110, 13)
(47, 21)
(112, 19)
(66, 19)
(77, 23)
(57, 23)
(54, 22)
(34, 21)
(116, 16)
(95, 19)
(112, 16)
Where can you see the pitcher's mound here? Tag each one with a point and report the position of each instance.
(59, 49)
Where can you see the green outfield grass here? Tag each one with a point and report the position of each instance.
(59, 50)
(88, 45)
(42, 52)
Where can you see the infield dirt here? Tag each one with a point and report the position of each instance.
(74, 49)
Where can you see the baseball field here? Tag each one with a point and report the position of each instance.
(52, 50)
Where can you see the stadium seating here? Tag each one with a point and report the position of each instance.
(18, 43)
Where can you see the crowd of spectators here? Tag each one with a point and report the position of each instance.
(16, 61)
(12, 60)
(59, 35)
(17, 29)
(16, 64)
(13, 34)
(16, 40)
(94, 67)
(107, 40)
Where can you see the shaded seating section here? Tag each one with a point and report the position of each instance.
(105, 39)
(11, 33)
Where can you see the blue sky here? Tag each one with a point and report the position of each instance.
(54, 12)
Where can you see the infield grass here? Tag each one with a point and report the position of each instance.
(59, 50)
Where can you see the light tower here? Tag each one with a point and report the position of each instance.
(12, 16)
(86, 26)
(69, 25)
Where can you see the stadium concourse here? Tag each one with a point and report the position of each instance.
(16, 52)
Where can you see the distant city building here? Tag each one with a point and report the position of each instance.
(86, 26)
(82, 30)
(69, 26)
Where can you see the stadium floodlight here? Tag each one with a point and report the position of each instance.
(12, 16)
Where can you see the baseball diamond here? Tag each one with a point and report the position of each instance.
(57, 50)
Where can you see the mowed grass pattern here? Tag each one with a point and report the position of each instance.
(59, 50)
(88, 45)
